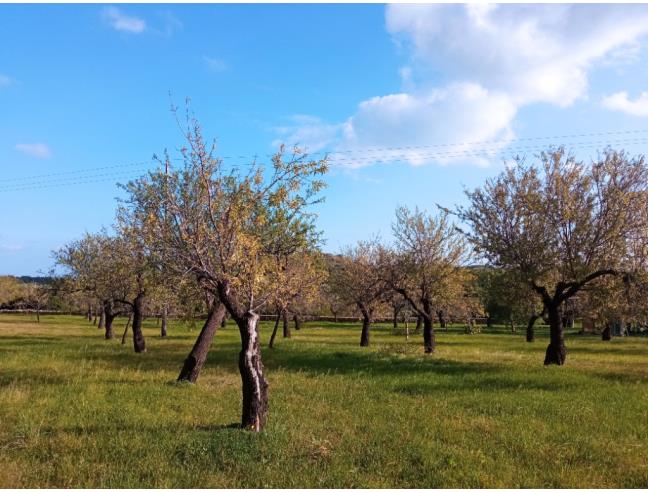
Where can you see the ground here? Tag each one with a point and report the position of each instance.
(79, 411)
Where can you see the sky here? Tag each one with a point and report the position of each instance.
(412, 103)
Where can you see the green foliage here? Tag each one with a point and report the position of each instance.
(79, 411)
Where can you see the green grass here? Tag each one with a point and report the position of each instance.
(78, 411)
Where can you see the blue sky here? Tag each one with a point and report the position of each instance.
(87, 86)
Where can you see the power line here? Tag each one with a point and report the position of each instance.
(367, 150)
(384, 158)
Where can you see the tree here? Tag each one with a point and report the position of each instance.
(507, 299)
(426, 267)
(297, 277)
(358, 278)
(561, 225)
(220, 226)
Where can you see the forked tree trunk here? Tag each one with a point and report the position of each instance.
(276, 327)
(530, 331)
(606, 334)
(286, 325)
(138, 337)
(163, 329)
(556, 352)
(195, 361)
(255, 386)
(128, 322)
(297, 322)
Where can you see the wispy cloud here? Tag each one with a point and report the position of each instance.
(215, 64)
(5, 80)
(122, 22)
(38, 150)
(622, 102)
(11, 248)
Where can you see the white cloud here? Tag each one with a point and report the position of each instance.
(122, 22)
(621, 102)
(534, 53)
(5, 80)
(487, 62)
(39, 150)
(459, 114)
(215, 64)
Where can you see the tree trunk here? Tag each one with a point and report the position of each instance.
(102, 318)
(255, 386)
(395, 318)
(442, 320)
(89, 314)
(286, 325)
(606, 334)
(130, 317)
(224, 320)
(163, 329)
(276, 326)
(530, 332)
(366, 327)
(556, 352)
(94, 319)
(109, 317)
(419, 321)
(428, 335)
(297, 322)
(198, 355)
(138, 336)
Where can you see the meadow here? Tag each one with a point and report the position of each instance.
(79, 411)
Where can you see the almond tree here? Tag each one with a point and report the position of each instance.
(297, 277)
(220, 225)
(358, 277)
(426, 265)
(561, 225)
(94, 268)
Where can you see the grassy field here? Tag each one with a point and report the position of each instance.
(78, 411)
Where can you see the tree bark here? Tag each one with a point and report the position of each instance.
(130, 317)
(138, 337)
(163, 329)
(429, 341)
(195, 361)
(89, 314)
(530, 332)
(223, 323)
(419, 321)
(297, 322)
(606, 334)
(109, 317)
(366, 331)
(255, 386)
(286, 325)
(276, 326)
(395, 318)
(556, 352)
